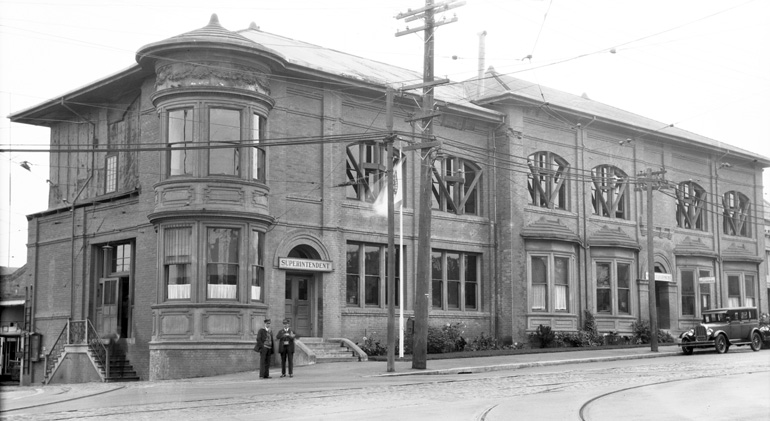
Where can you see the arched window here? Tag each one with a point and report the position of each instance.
(456, 185)
(737, 214)
(691, 206)
(609, 192)
(547, 180)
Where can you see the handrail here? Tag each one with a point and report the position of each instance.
(56, 351)
(96, 346)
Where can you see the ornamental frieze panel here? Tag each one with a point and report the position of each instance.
(223, 195)
(178, 75)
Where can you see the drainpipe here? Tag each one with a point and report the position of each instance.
(95, 141)
(495, 265)
(580, 134)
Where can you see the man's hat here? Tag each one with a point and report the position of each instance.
(267, 320)
(286, 321)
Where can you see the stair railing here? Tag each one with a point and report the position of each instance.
(56, 350)
(96, 346)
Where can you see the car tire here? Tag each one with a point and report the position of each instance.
(720, 344)
(687, 350)
(756, 341)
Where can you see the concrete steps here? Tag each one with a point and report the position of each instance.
(330, 351)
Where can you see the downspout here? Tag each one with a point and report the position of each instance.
(95, 141)
(495, 267)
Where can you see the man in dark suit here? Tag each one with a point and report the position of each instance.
(265, 349)
(285, 338)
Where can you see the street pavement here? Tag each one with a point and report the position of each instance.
(17, 397)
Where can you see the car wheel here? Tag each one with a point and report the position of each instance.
(687, 350)
(720, 344)
(756, 341)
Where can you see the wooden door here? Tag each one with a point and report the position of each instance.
(107, 306)
(298, 304)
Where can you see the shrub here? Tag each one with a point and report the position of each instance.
(483, 343)
(642, 333)
(544, 335)
(372, 346)
(447, 338)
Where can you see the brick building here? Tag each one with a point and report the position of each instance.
(230, 176)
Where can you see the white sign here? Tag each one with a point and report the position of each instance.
(708, 280)
(663, 277)
(305, 264)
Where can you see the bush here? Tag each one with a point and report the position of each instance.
(544, 335)
(445, 339)
(372, 346)
(642, 333)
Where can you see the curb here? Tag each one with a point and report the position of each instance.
(517, 366)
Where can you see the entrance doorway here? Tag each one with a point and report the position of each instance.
(112, 306)
(299, 303)
(662, 305)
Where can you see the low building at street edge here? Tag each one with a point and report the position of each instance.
(231, 176)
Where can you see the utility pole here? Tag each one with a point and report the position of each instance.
(652, 179)
(422, 297)
(391, 282)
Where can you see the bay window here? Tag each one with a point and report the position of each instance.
(613, 287)
(741, 290)
(550, 277)
(695, 291)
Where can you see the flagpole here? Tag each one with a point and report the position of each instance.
(401, 276)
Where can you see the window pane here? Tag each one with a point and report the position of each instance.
(437, 293)
(539, 270)
(224, 128)
(624, 275)
(257, 267)
(222, 262)
(470, 295)
(471, 276)
(603, 288)
(353, 278)
(372, 271)
(749, 279)
(257, 154)
(688, 292)
(177, 246)
(437, 282)
(111, 178)
(302, 289)
(539, 282)
(562, 298)
(453, 294)
(453, 266)
(624, 298)
(561, 270)
(180, 133)
(705, 297)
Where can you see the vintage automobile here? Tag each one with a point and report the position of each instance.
(722, 328)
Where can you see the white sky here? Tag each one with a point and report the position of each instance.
(702, 65)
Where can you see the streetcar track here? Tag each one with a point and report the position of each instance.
(596, 398)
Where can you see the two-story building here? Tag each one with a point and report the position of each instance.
(227, 177)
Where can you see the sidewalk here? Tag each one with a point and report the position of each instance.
(17, 397)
